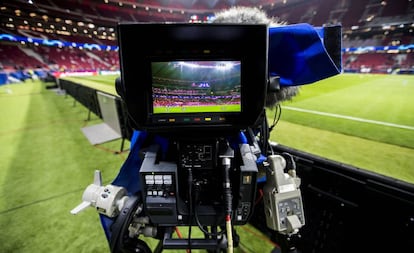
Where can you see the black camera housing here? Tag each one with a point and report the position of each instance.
(144, 45)
(199, 87)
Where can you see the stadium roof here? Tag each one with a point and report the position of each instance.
(97, 19)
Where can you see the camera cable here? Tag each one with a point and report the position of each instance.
(276, 118)
(190, 205)
(197, 219)
(226, 162)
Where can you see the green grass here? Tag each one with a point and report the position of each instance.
(105, 83)
(102, 79)
(196, 109)
(383, 98)
(386, 159)
(46, 163)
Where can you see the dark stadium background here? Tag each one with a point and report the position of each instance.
(387, 25)
(53, 38)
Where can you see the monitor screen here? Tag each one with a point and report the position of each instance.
(196, 86)
(193, 78)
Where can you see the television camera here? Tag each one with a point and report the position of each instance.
(197, 105)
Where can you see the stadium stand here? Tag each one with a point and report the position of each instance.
(15, 57)
(369, 26)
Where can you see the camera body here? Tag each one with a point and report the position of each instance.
(196, 85)
(195, 96)
(190, 192)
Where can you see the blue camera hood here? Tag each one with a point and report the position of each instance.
(298, 54)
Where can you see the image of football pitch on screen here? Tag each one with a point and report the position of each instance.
(196, 86)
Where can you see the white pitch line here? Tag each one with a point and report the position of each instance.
(349, 117)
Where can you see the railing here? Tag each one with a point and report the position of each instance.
(88, 97)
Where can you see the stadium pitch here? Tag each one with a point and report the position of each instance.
(375, 107)
(47, 162)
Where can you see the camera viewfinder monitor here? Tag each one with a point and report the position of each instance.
(193, 77)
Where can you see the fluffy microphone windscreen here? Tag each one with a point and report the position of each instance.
(253, 15)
